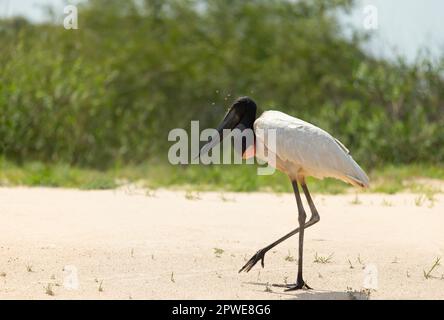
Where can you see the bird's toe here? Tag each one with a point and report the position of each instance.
(298, 286)
(260, 255)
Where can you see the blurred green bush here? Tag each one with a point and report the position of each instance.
(110, 91)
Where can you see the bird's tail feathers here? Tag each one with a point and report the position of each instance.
(358, 178)
(356, 182)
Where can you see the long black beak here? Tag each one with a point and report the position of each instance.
(230, 121)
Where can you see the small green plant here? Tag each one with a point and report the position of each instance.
(189, 195)
(356, 200)
(350, 264)
(48, 290)
(100, 286)
(360, 261)
(428, 274)
(218, 252)
(321, 259)
(289, 257)
(425, 193)
(226, 199)
(432, 200)
(419, 200)
(429, 196)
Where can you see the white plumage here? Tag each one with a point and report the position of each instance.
(303, 149)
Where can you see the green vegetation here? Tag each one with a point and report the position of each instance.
(92, 107)
(240, 178)
(38, 174)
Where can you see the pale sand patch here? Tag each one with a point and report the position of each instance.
(161, 246)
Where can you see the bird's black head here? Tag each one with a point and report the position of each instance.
(241, 116)
(245, 109)
(244, 103)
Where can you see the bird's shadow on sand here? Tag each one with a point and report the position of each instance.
(279, 289)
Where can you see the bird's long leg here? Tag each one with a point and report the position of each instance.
(314, 213)
(260, 255)
(300, 284)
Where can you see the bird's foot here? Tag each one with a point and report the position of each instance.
(260, 255)
(300, 285)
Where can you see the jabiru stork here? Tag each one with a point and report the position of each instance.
(301, 150)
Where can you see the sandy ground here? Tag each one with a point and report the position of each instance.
(126, 244)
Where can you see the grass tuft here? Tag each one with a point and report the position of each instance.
(218, 252)
(350, 264)
(321, 259)
(428, 274)
(48, 290)
(268, 288)
(189, 195)
(289, 257)
(356, 200)
(100, 288)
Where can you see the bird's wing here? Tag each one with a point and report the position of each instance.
(312, 149)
